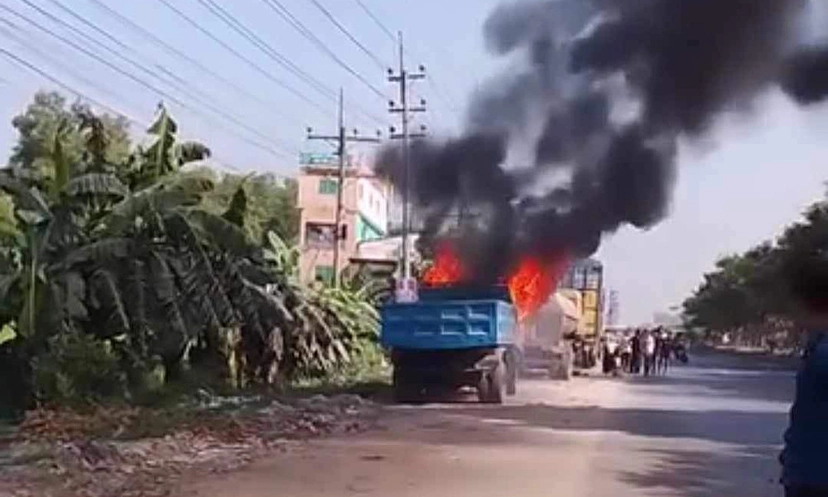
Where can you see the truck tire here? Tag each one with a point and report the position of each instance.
(492, 385)
(510, 362)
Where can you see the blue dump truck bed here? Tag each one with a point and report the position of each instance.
(452, 338)
(441, 320)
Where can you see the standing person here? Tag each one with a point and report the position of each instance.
(649, 349)
(665, 350)
(626, 353)
(635, 366)
(804, 461)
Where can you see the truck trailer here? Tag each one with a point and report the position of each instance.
(547, 337)
(453, 337)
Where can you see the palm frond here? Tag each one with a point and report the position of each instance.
(25, 198)
(221, 233)
(96, 185)
(144, 204)
(100, 252)
(107, 301)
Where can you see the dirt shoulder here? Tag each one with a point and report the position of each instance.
(461, 448)
(135, 452)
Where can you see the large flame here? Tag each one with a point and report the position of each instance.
(447, 268)
(533, 282)
(530, 285)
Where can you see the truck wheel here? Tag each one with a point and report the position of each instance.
(490, 389)
(511, 374)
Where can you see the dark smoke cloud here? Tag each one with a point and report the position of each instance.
(601, 92)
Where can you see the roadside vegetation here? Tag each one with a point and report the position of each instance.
(130, 272)
(747, 297)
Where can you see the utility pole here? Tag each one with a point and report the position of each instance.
(402, 78)
(341, 140)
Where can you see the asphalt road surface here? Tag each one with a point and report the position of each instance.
(711, 429)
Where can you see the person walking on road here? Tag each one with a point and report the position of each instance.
(805, 455)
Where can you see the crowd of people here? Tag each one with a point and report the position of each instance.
(641, 351)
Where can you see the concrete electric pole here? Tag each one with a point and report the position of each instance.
(341, 140)
(403, 77)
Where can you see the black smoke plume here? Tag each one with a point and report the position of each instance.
(580, 136)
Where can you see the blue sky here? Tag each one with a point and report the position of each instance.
(753, 175)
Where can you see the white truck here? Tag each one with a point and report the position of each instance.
(545, 337)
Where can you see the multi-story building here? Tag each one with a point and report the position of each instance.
(364, 216)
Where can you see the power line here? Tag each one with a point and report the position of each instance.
(285, 14)
(143, 83)
(131, 76)
(171, 49)
(183, 87)
(186, 88)
(143, 124)
(438, 90)
(377, 21)
(250, 36)
(31, 48)
(92, 42)
(28, 65)
(382, 66)
(241, 56)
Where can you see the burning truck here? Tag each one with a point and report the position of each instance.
(579, 137)
(461, 333)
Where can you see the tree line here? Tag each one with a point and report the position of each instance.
(751, 295)
(125, 267)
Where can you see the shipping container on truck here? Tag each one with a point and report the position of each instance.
(583, 283)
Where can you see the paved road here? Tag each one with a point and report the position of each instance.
(710, 430)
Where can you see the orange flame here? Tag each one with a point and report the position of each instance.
(533, 282)
(530, 285)
(447, 268)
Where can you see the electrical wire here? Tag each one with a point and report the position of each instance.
(285, 14)
(185, 88)
(28, 65)
(19, 38)
(247, 60)
(182, 55)
(377, 21)
(250, 36)
(271, 149)
(140, 81)
(378, 61)
(436, 87)
(133, 121)
(92, 43)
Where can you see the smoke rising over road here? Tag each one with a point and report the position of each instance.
(579, 137)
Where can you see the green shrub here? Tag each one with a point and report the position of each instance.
(78, 369)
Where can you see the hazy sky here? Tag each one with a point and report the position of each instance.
(752, 176)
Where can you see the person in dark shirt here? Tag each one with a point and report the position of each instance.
(805, 455)
(635, 364)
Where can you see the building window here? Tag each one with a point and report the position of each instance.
(327, 186)
(361, 191)
(366, 230)
(320, 235)
(324, 274)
